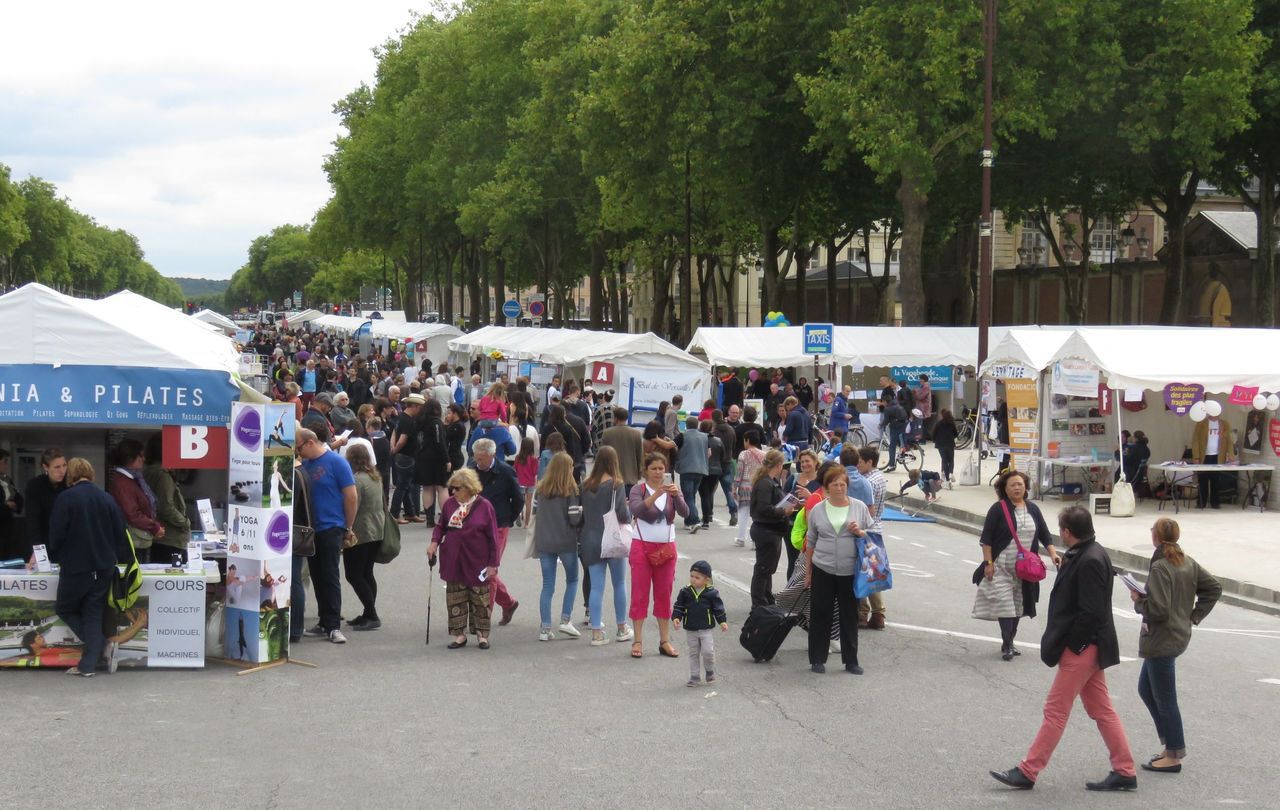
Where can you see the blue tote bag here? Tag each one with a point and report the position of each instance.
(873, 574)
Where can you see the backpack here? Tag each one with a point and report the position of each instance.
(125, 587)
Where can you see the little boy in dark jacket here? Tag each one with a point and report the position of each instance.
(699, 609)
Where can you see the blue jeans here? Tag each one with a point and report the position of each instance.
(569, 559)
(406, 492)
(595, 603)
(1157, 687)
(895, 441)
(726, 486)
(297, 599)
(689, 483)
(325, 578)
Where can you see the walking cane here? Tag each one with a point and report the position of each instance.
(431, 570)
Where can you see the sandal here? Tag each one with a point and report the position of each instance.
(483, 644)
(457, 645)
(637, 650)
(666, 649)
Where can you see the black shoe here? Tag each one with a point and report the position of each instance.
(1014, 650)
(1006, 655)
(853, 669)
(357, 621)
(733, 520)
(818, 668)
(367, 624)
(1148, 766)
(1014, 778)
(1114, 781)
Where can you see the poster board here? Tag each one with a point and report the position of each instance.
(1024, 410)
(165, 628)
(259, 532)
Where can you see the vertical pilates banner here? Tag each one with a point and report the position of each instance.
(259, 532)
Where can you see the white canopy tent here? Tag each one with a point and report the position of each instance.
(217, 320)
(436, 335)
(1152, 357)
(643, 369)
(296, 319)
(876, 346)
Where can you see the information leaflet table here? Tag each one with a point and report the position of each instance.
(1172, 469)
(164, 628)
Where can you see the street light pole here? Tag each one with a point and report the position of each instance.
(984, 227)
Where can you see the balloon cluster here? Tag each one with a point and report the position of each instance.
(1206, 408)
(776, 319)
(1266, 402)
(496, 354)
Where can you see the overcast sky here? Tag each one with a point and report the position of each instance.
(197, 127)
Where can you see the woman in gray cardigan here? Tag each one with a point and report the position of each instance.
(555, 538)
(1179, 595)
(603, 491)
(831, 554)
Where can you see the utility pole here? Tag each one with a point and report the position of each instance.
(985, 226)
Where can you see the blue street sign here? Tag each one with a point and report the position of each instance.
(511, 309)
(819, 338)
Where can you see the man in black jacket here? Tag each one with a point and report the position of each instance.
(1080, 640)
(86, 538)
(501, 488)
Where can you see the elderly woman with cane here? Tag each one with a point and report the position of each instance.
(466, 535)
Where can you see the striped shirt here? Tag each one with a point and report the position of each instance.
(879, 485)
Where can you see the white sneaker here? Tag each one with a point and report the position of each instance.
(624, 635)
(601, 641)
(546, 634)
(336, 637)
(569, 630)
(739, 543)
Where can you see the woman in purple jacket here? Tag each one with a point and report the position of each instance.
(654, 504)
(466, 535)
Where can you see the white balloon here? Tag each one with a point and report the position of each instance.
(1197, 412)
(1213, 408)
(1273, 402)
(1259, 401)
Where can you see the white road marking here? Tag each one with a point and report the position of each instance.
(918, 545)
(893, 537)
(970, 562)
(971, 636)
(910, 571)
(1275, 681)
(943, 553)
(1274, 634)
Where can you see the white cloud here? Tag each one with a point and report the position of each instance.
(196, 127)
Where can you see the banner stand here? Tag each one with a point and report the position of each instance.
(249, 667)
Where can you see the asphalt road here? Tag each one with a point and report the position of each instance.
(388, 722)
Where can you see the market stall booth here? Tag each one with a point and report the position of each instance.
(1067, 396)
(217, 320)
(419, 340)
(83, 375)
(642, 370)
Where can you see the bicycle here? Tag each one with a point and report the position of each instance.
(966, 429)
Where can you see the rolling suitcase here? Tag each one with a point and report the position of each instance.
(765, 629)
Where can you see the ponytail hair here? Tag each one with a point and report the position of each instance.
(1167, 532)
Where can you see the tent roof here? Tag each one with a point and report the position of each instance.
(876, 346)
(302, 316)
(566, 346)
(215, 319)
(45, 327)
(400, 330)
(1153, 357)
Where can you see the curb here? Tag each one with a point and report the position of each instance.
(1234, 592)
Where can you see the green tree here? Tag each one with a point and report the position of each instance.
(13, 224)
(1187, 83)
(45, 255)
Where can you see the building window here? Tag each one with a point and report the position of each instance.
(1031, 236)
(1102, 238)
(893, 256)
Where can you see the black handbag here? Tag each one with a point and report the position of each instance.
(304, 537)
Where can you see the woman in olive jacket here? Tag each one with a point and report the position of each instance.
(1179, 595)
(171, 507)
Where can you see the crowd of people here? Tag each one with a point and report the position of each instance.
(381, 441)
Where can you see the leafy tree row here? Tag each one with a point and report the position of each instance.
(44, 239)
(519, 143)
